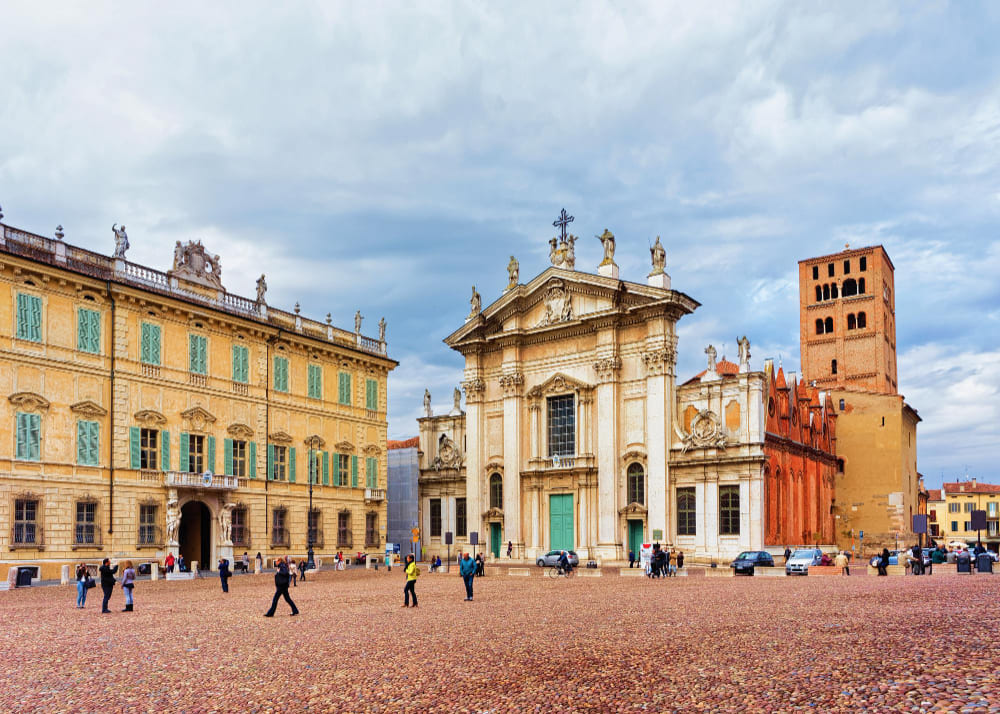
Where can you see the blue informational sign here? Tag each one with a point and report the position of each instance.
(395, 548)
(861, 534)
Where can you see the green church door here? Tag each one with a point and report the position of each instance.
(635, 536)
(561, 521)
(495, 539)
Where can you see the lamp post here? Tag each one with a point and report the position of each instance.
(311, 562)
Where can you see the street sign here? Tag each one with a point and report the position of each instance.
(978, 522)
(920, 523)
(861, 534)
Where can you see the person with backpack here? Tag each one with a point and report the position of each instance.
(467, 569)
(412, 572)
(281, 581)
(83, 583)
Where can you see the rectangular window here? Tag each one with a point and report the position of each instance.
(279, 531)
(847, 266)
(241, 364)
(26, 522)
(29, 437)
(343, 470)
(198, 354)
(86, 523)
(371, 472)
(686, 521)
(967, 526)
(149, 351)
(864, 264)
(829, 269)
(239, 458)
(371, 530)
(344, 539)
(280, 467)
(954, 526)
(371, 394)
(315, 466)
(241, 527)
(344, 388)
(461, 521)
(435, 518)
(991, 508)
(149, 449)
(315, 381)
(147, 525)
(196, 453)
(88, 330)
(562, 426)
(281, 374)
(815, 272)
(954, 507)
(729, 510)
(88, 445)
(29, 317)
(313, 533)
(968, 507)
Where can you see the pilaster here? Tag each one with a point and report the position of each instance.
(512, 386)
(475, 392)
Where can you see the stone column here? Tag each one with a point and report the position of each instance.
(756, 517)
(475, 391)
(534, 414)
(607, 455)
(711, 517)
(536, 514)
(512, 384)
(659, 365)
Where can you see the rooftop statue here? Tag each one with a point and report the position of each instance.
(381, 330)
(358, 317)
(476, 302)
(427, 403)
(659, 256)
(710, 351)
(513, 272)
(121, 241)
(744, 345)
(607, 239)
(261, 290)
(192, 262)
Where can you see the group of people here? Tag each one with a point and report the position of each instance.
(108, 572)
(662, 562)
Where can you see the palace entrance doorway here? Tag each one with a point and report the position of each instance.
(195, 534)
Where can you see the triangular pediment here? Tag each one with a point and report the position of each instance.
(89, 408)
(343, 447)
(29, 401)
(559, 383)
(240, 431)
(150, 417)
(198, 418)
(279, 437)
(558, 298)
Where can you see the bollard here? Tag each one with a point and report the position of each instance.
(64, 577)
(154, 571)
(194, 568)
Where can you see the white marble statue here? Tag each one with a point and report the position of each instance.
(178, 255)
(261, 289)
(744, 345)
(173, 522)
(427, 403)
(121, 241)
(607, 239)
(226, 523)
(712, 354)
(458, 399)
(476, 302)
(358, 317)
(381, 330)
(659, 257)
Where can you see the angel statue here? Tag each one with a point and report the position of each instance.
(121, 241)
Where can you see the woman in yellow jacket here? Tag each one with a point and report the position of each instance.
(412, 571)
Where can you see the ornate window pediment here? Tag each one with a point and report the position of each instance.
(635, 454)
(493, 514)
(315, 441)
(279, 437)
(559, 383)
(448, 456)
(371, 450)
(149, 417)
(495, 467)
(89, 408)
(343, 447)
(240, 431)
(633, 509)
(29, 401)
(198, 418)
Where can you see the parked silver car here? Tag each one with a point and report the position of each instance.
(801, 559)
(551, 559)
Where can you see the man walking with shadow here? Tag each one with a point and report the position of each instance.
(467, 568)
(281, 580)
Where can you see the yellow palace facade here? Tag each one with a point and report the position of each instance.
(145, 412)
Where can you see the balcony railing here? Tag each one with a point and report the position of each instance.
(374, 494)
(206, 480)
(149, 537)
(150, 476)
(150, 370)
(27, 535)
(280, 538)
(87, 535)
(344, 539)
(197, 380)
(241, 388)
(371, 539)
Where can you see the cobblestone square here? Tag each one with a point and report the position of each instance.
(524, 644)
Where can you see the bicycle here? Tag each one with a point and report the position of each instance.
(559, 572)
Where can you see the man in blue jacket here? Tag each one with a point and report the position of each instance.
(467, 568)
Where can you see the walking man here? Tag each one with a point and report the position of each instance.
(224, 574)
(631, 558)
(281, 580)
(841, 562)
(467, 568)
(788, 554)
(107, 582)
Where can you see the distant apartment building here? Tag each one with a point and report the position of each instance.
(950, 512)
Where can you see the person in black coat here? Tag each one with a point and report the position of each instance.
(918, 560)
(224, 574)
(281, 581)
(883, 562)
(631, 559)
(107, 582)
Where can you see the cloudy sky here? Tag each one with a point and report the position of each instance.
(385, 157)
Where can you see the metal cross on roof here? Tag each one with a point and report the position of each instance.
(563, 221)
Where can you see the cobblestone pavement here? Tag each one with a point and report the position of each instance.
(524, 644)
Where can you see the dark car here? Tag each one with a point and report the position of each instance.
(750, 559)
(551, 559)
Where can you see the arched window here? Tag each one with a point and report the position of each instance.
(850, 287)
(636, 484)
(819, 293)
(828, 325)
(826, 292)
(862, 320)
(496, 491)
(833, 291)
(861, 285)
(819, 326)
(851, 322)
(833, 366)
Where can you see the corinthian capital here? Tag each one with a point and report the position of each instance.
(607, 368)
(475, 390)
(660, 361)
(511, 383)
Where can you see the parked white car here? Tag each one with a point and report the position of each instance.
(801, 559)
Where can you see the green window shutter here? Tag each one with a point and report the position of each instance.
(291, 464)
(22, 436)
(253, 459)
(192, 353)
(144, 343)
(95, 444)
(156, 345)
(211, 454)
(236, 366)
(315, 381)
(371, 395)
(82, 439)
(150, 350)
(336, 469)
(281, 374)
(270, 462)
(241, 364)
(344, 388)
(22, 317)
(35, 305)
(198, 354)
(354, 471)
(165, 450)
(29, 317)
(133, 446)
(88, 330)
(326, 468)
(372, 472)
(34, 436)
(184, 464)
(227, 458)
